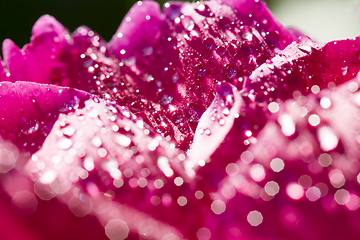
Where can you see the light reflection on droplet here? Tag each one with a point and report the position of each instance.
(158, 183)
(115, 173)
(313, 194)
(272, 188)
(218, 207)
(325, 102)
(232, 169)
(327, 138)
(255, 218)
(325, 160)
(178, 181)
(199, 194)
(166, 200)
(48, 177)
(163, 164)
(342, 196)
(7, 159)
(287, 124)
(295, 191)
(353, 87)
(122, 140)
(228, 191)
(356, 98)
(89, 164)
(314, 120)
(337, 178)
(116, 229)
(315, 89)
(118, 183)
(182, 201)
(247, 157)
(102, 152)
(65, 143)
(257, 172)
(155, 200)
(273, 107)
(354, 202)
(142, 182)
(305, 181)
(277, 164)
(96, 141)
(203, 234)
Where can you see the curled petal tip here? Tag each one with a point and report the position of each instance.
(141, 24)
(48, 23)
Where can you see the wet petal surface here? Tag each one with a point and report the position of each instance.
(28, 111)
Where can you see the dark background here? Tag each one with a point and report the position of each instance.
(103, 16)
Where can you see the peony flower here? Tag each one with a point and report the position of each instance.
(205, 120)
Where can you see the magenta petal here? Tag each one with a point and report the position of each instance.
(184, 52)
(258, 15)
(28, 111)
(305, 66)
(141, 25)
(13, 59)
(35, 61)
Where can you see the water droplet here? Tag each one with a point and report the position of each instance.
(272, 39)
(247, 36)
(194, 112)
(71, 104)
(175, 77)
(166, 99)
(28, 127)
(188, 23)
(209, 43)
(230, 71)
(147, 51)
